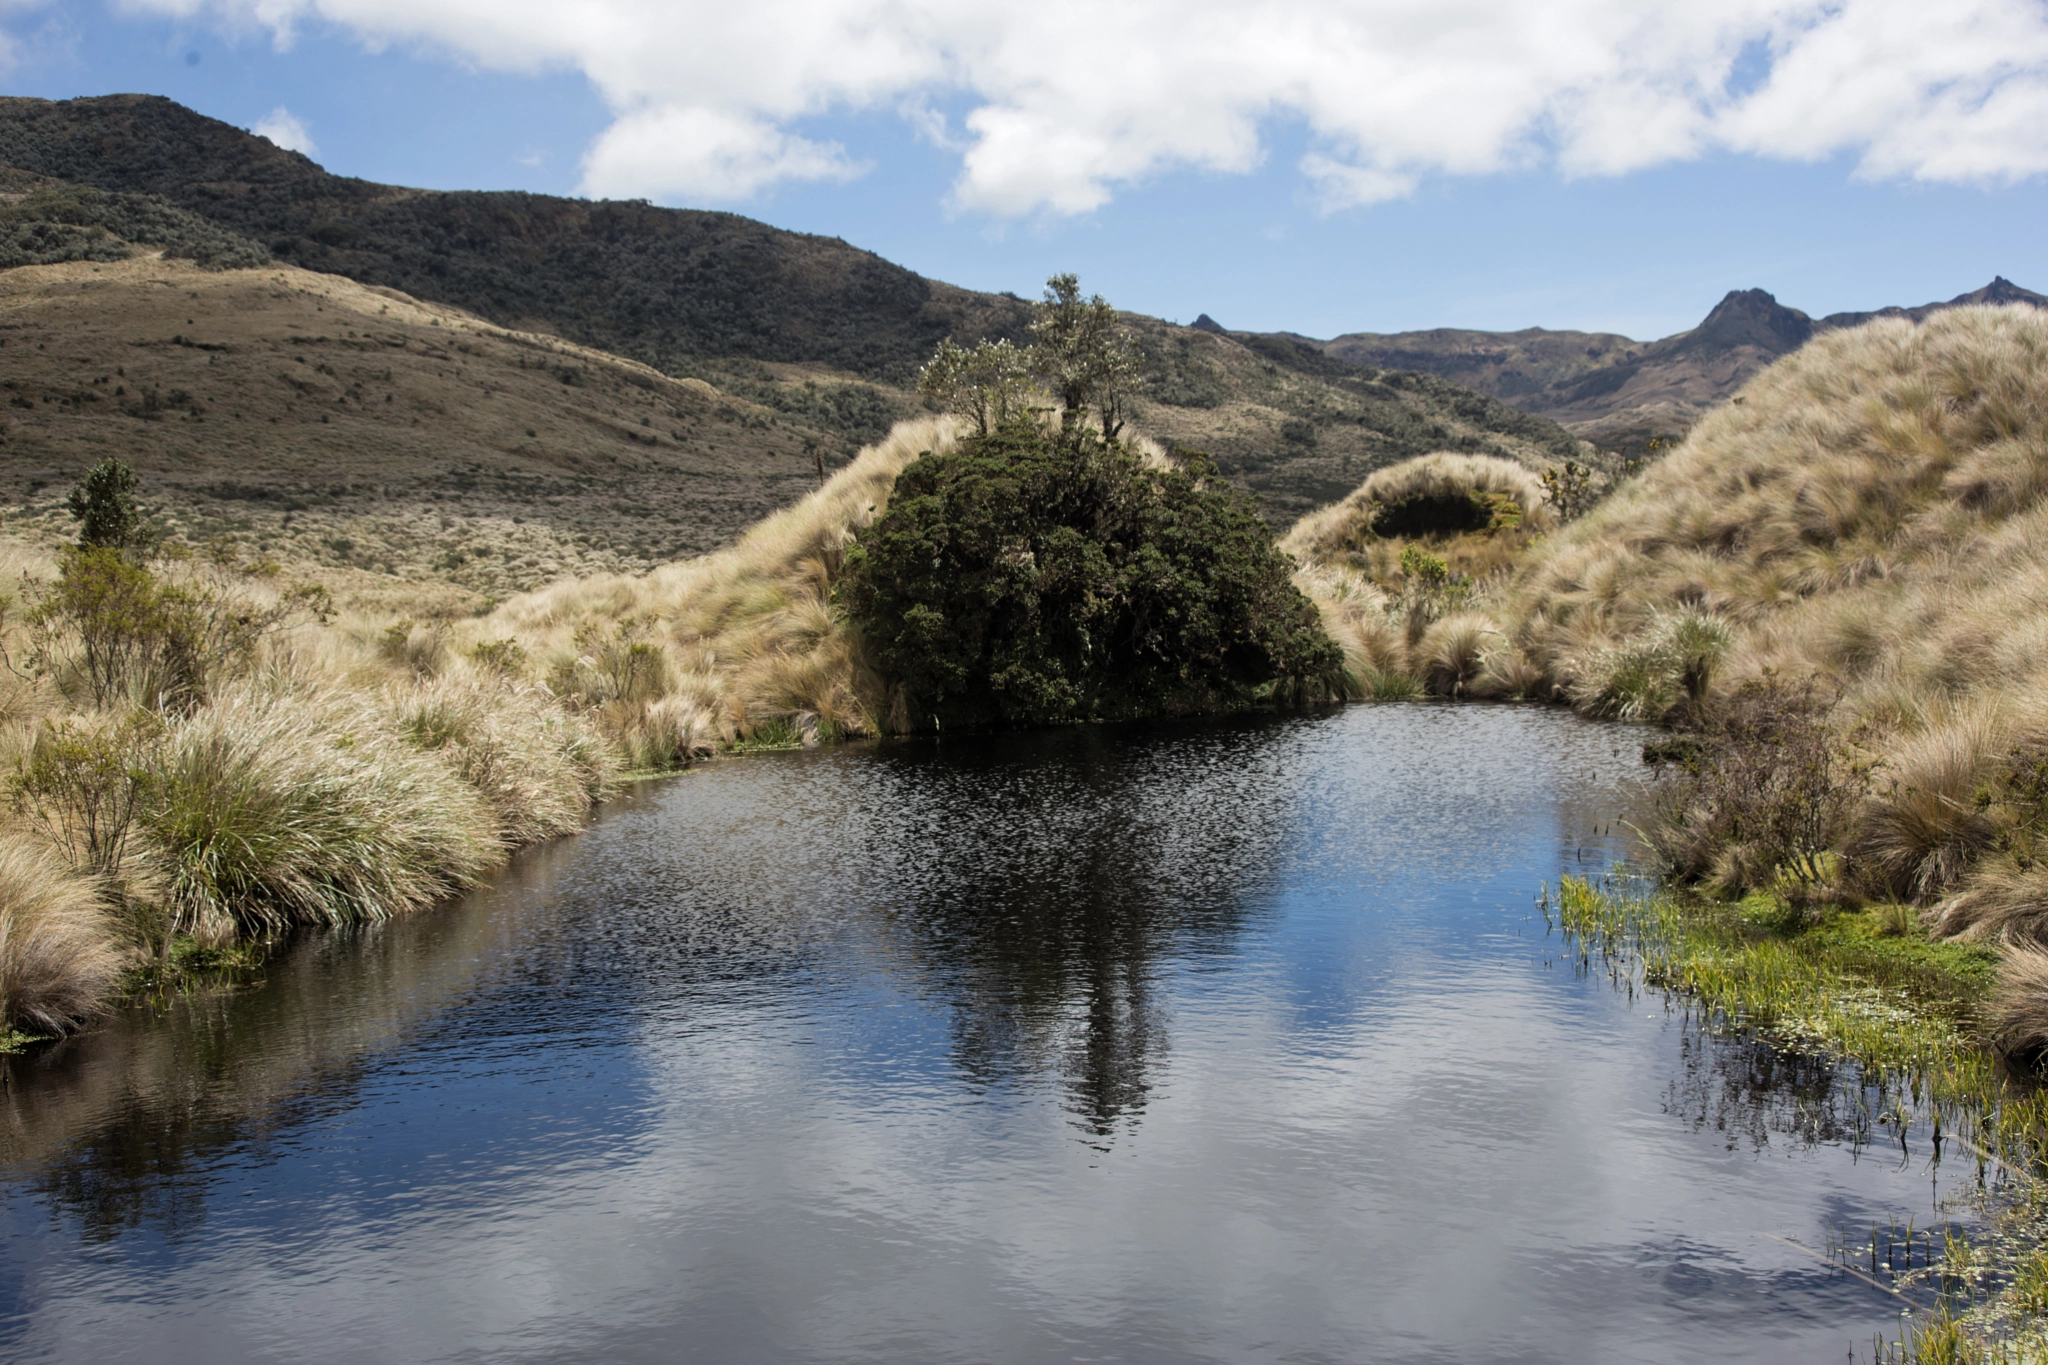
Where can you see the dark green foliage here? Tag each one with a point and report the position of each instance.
(861, 412)
(76, 223)
(104, 506)
(1028, 579)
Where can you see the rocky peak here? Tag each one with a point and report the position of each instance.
(1749, 317)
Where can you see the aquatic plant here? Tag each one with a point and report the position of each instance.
(1910, 1015)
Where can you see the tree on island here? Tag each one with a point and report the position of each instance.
(1078, 351)
(1036, 574)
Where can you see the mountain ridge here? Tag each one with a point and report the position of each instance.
(808, 347)
(1620, 392)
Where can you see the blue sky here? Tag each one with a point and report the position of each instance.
(1265, 198)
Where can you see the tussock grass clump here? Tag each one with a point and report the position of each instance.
(271, 811)
(1442, 494)
(539, 768)
(59, 955)
(1402, 569)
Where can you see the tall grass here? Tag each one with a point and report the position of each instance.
(58, 951)
(271, 811)
(739, 642)
(1401, 569)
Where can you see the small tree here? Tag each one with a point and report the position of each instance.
(1081, 353)
(989, 385)
(134, 637)
(103, 504)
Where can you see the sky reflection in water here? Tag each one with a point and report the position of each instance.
(1231, 1042)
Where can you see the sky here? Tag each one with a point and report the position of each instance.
(1317, 166)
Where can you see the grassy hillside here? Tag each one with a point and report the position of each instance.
(380, 440)
(1834, 589)
(824, 337)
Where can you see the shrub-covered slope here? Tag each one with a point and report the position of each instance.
(378, 440)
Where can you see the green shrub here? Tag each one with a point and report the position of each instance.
(81, 782)
(1027, 578)
(104, 506)
(1424, 568)
(615, 662)
(130, 635)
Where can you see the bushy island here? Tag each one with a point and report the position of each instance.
(1828, 597)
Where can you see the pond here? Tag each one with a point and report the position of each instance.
(1236, 1042)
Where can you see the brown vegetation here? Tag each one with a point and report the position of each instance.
(1834, 589)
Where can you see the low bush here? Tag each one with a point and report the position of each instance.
(1036, 578)
(1765, 793)
(121, 633)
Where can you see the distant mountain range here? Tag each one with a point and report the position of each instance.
(1616, 391)
(810, 344)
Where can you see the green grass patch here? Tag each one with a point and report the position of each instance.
(1869, 988)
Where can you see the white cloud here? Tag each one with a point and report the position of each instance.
(286, 129)
(1067, 100)
(697, 152)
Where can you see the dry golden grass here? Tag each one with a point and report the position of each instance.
(738, 642)
(59, 954)
(1871, 515)
(1346, 527)
(1869, 511)
(1403, 636)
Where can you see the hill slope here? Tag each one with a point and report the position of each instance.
(823, 336)
(359, 429)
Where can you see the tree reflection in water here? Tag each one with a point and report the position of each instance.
(1057, 876)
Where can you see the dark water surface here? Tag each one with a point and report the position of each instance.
(1238, 1043)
